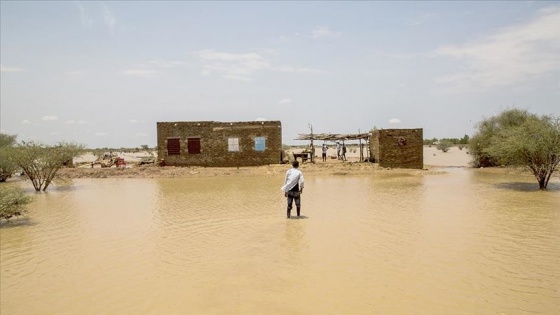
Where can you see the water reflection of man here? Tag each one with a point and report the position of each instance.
(293, 187)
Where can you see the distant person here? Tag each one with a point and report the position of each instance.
(325, 149)
(343, 156)
(293, 187)
(338, 148)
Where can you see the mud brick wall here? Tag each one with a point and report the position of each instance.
(374, 145)
(214, 147)
(400, 148)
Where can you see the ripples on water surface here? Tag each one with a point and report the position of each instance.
(389, 243)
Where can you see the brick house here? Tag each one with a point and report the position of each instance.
(400, 148)
(212, 143)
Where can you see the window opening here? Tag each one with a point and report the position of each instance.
(193, 145)
(259, 143)
(233, 144)
(173, 146)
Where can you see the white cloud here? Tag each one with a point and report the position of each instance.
(109, 18)
(25, 122)
(397, 55)
(86, 21)
(285, 101)
(394, 121)
(167, 64)
(142, 73)
(49, 118)
(89, 20)
(294, 69)
(421, 19)
(4, 68)
(510, 55)
(323, 32)
(101, 134)
(232, 66)
(152, 68)
(70, 122)
(241, 66)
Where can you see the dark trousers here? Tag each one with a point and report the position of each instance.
(293, 196)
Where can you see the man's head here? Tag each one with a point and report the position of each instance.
(295, 164)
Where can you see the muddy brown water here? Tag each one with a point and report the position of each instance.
(463, 242)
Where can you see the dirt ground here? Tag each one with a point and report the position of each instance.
(434, 163)
(333, 166)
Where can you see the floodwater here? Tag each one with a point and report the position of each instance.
(463, 242)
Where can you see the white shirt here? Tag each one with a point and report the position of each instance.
(293, 177)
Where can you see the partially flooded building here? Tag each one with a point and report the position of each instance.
(212, 143)
(399, 148)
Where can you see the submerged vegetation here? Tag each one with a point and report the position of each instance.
(12, 202)
(444, 145)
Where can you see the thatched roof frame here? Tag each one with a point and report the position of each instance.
(333, 136)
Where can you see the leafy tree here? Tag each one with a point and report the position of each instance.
(7, 140)
(12, 202)
(444, 145)
(519, 138)
(41, 162)
(6, 167)
(487, 129)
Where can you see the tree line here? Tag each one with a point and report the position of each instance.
(451, 141)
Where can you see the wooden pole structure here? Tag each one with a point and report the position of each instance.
(361, 149)
(312, 147)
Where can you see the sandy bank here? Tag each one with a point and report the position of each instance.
(435, 162)
(433, 159)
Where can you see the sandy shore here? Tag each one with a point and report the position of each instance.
(435, 162)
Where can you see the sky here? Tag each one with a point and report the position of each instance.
(103, 73)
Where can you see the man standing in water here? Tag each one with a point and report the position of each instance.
(293, 187)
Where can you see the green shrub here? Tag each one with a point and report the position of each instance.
(12, 202)
(444, 145)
